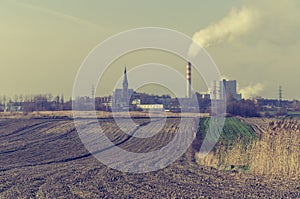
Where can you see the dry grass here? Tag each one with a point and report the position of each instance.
(275, 154)
(235, 157)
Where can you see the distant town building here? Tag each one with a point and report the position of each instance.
(103, 103)
(203, 96)
(151, 107)
(12, 108)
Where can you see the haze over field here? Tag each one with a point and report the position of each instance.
(43, 43)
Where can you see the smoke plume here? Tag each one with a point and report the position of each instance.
(252, 90)
(235, 24)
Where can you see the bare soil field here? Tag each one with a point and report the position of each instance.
(45, 158)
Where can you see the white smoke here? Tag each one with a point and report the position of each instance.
(235, 24)
(252, 90)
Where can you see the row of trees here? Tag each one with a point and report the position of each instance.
(245, 108)
(46, 102)
(41, 102)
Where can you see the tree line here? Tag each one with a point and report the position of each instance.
(40, 102)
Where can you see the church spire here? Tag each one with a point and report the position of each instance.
(125, 81)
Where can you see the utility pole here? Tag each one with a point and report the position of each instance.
(93, 93)
(280, 96)
(215, 90)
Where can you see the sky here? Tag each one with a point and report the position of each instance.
(43, 42)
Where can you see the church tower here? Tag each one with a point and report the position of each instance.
(121, 97)
(125, 82)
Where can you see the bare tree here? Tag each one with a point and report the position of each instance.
(62, 101)
(16, 100)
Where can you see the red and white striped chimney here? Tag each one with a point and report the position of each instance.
(188, 79)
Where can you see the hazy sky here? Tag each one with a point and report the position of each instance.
(44, 42)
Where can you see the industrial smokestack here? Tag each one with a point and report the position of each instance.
(188, 79)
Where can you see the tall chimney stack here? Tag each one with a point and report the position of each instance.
(188, 79)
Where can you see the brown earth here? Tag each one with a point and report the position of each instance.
(44, 158)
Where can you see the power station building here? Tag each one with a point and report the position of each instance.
(225, 89)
